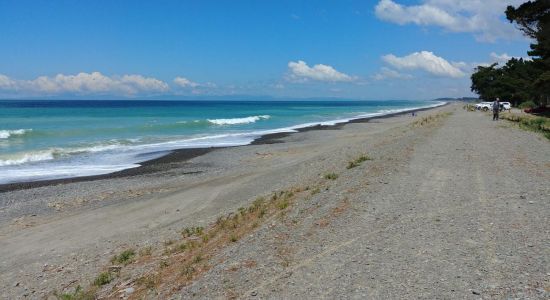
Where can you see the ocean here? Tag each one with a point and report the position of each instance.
(48, 139)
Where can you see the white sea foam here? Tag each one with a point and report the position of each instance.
(27, 158)
(234, 121)
(34, 173)
(50, 154)
(5, 134)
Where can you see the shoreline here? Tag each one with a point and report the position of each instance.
(164, 162)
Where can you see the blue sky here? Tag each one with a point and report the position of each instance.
(383, 49)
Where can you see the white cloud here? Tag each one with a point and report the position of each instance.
(7, 83)
(85, 83)
(504, 57)
(501, 59)
(483, 18)
(426, 61)
(387, 73)
(185, 83)
(300, 71)
(143, 84)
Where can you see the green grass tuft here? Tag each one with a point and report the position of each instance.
(125, 257)
(78, 294)
(190, 231)
(331, 176)
(103, 279)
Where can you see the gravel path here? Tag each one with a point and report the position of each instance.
(458, 210)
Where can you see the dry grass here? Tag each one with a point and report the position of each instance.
(168, 270)
(469, 107)
(356, 162)
(431, 119)
(335, 212)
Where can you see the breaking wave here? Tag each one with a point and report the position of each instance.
(6, 134)
(234, 121)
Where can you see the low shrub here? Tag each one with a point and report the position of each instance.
(527, 104)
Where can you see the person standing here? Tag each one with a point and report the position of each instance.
(496, 109)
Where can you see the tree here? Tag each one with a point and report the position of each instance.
(486, 82)
(533, 19)
(512, 82)
(521, 80)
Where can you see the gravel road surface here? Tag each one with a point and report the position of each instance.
(459, 210)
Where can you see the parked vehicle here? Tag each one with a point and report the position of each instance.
(484, 106)
(537, 110)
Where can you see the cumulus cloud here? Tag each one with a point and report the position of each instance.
(484, 18)
(426, 61)
(387, 73)
(85, 83)
(144, 84)
(504, 57)
(300, 71)
(185, 83)
(7, 83)
(500, 58)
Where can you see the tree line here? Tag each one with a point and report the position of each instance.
(520, 80)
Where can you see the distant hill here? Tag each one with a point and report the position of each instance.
(468, 99)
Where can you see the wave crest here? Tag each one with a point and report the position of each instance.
(54, 153)
(234, 121)
(29, 157)
(6, 134)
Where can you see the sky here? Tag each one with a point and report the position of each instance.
(370, 49)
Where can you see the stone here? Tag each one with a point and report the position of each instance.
(129, 290)
(476, 292)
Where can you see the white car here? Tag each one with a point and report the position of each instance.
(485, 106)
(505, 106)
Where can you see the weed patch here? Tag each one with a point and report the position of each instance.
(431, 119)
(192, 231)
(331, 176)
(103, 279)
(531, 123)
(125, 257)
(77, 294)
(185, 259)
(358, 161)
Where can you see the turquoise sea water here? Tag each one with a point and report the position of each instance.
(59, 139)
